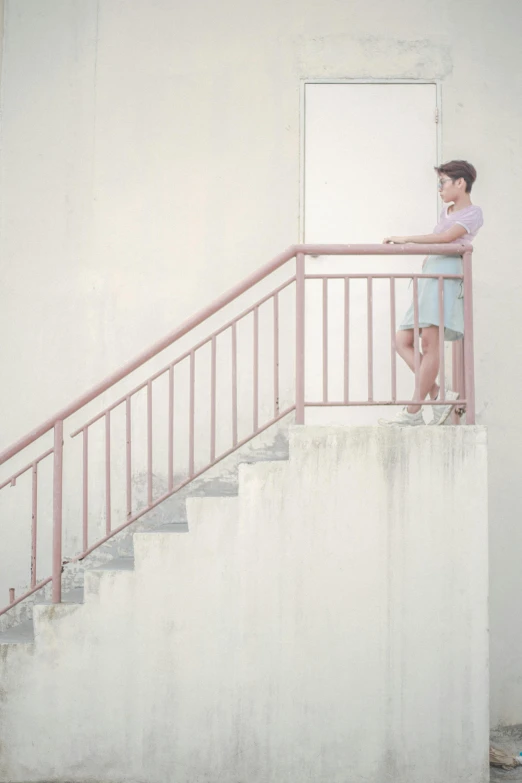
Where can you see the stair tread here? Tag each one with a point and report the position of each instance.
(23, 633)
(116, 564)
(70, 597)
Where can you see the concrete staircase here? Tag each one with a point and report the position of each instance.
(328, 622)
(16, 626)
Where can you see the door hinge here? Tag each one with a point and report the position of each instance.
(436, 115)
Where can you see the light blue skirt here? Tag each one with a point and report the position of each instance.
(429, 298)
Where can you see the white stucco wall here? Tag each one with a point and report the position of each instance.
(328, 624)
(150, 159)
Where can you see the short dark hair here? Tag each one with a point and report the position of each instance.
(456, 169)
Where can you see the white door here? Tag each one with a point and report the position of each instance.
(369, 153)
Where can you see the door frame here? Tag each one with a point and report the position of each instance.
(302, 108)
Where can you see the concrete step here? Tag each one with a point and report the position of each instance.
(70, 597)
(175, 527)
(20, 634)
(104, 578)
(23, 633)
(117, 564)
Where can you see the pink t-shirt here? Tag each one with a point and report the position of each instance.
(469, 217)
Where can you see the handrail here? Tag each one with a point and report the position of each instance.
(462, 375)
(223, 300)
(409, 249)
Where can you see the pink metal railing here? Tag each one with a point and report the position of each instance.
(462, 376)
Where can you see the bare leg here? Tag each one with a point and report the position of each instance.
(429, 368)
(405, 349)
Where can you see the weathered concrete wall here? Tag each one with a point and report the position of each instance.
(328, 624)
(150, 159)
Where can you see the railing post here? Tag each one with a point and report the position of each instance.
(299, 338)
(57, 512)
(469, 362)
(456, 377)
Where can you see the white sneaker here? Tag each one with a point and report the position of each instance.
(403, 419)
(441, 412)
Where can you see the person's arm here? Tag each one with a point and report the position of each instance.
(450, 235)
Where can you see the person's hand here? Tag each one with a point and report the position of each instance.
(394, 241)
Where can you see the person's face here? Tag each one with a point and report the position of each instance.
(449, 190)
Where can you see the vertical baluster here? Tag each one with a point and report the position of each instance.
(325, 339)
(192, 411)
(34, 523)
(256, 370)
(460, 375)
(234, 384)
(300, 339)
(108, 472)
(346, 339)
(468, 348)
(128, 454)
(393, 328)
(11, 595)
(416, 346)
(85, 515)
(213, 401)
(57, 512)
(369, 285)
(442, 369)
(462, 370)
(171, 430)
(276, 355)
(149, 443)
(455, 379)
